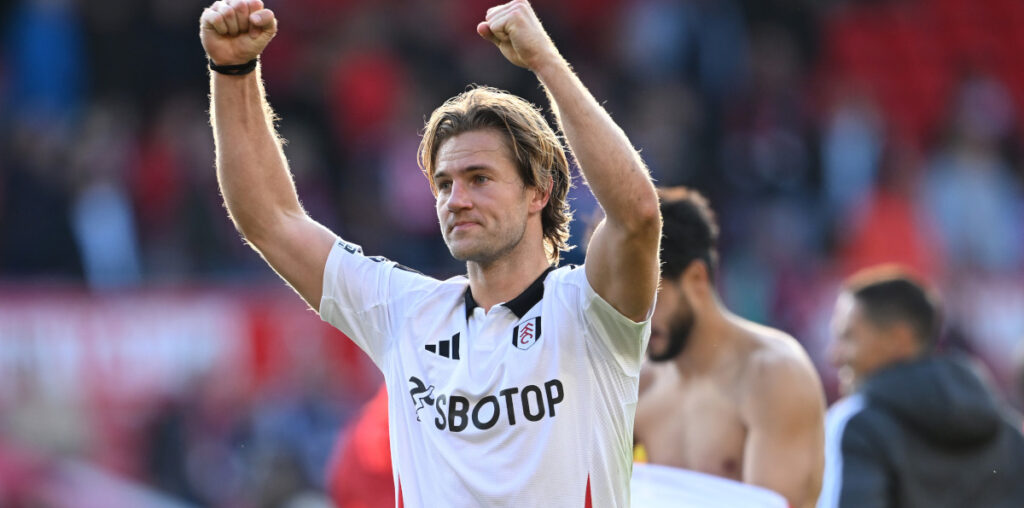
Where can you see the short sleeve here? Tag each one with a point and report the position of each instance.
(616, 336)
(356, 292)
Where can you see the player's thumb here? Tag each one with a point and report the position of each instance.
(484, 29)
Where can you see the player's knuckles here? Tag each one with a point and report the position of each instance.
(496, 8)
(241, 9)
(505, 27)
(498, 11)
(217, 22)
(242, 16)
(523, 13)
(206, 18)
(231, 18)
(226, 10)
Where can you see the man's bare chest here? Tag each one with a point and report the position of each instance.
(698, 427)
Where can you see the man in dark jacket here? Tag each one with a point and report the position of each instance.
(917, 429)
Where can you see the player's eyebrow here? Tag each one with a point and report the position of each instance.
(468, 169)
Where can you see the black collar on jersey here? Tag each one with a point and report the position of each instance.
(520, 304)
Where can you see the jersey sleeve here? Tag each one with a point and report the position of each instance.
(614, 336)
(359, 297)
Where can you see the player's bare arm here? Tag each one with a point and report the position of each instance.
(251, 166)
(622, 259)
(784, 409)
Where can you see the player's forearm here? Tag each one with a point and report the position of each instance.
(612, 167)
(251, 167)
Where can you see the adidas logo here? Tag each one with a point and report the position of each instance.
(446, 348)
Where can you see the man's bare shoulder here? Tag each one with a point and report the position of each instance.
(770, 350)
(778, 373)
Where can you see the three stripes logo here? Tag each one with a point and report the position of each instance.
(526, 334)
(446, 348)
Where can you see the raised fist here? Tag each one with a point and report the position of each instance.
(236, 31)
(517, 32)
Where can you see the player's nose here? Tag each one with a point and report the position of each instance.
(458, 198)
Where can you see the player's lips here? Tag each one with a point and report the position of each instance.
(462, 226)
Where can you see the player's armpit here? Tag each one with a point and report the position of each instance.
(622, 267)
(784, 410)
(296, 247)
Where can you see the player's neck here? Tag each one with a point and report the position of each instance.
(710, 341)
(505, 278)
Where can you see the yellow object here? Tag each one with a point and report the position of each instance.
(639, 453)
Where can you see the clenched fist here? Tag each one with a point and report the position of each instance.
(517, 32)
(236, 31)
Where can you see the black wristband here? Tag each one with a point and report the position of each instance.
(235, 70)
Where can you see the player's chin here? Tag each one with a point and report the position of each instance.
(657, 344)
(656, 348)
(847, 378)
(462, 250)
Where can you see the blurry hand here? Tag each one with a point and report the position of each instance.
(517, 32)
(236, 31)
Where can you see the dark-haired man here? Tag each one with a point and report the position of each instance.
(917, 429)
(722, 395)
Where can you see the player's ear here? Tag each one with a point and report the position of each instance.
(697, 271)
(903, 340)
(539, 197)
(696, 277)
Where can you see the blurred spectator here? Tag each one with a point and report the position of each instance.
(851, 150)
(43, 40)
(883, 224)
(765, 150)
(970, 190)
(917, 429)
(666, 41)
(102, 217)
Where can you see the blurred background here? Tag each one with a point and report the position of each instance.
(149, 358)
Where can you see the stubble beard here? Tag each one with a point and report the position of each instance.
(490, 248)
(678, 337)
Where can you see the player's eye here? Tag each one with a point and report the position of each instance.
(444, 185)
(480, 179)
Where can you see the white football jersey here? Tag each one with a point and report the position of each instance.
(529, 404)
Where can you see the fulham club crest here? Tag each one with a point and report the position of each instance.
(526, 334)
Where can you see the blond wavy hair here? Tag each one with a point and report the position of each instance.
(536, 150)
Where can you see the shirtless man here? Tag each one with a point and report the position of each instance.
(722, 395)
